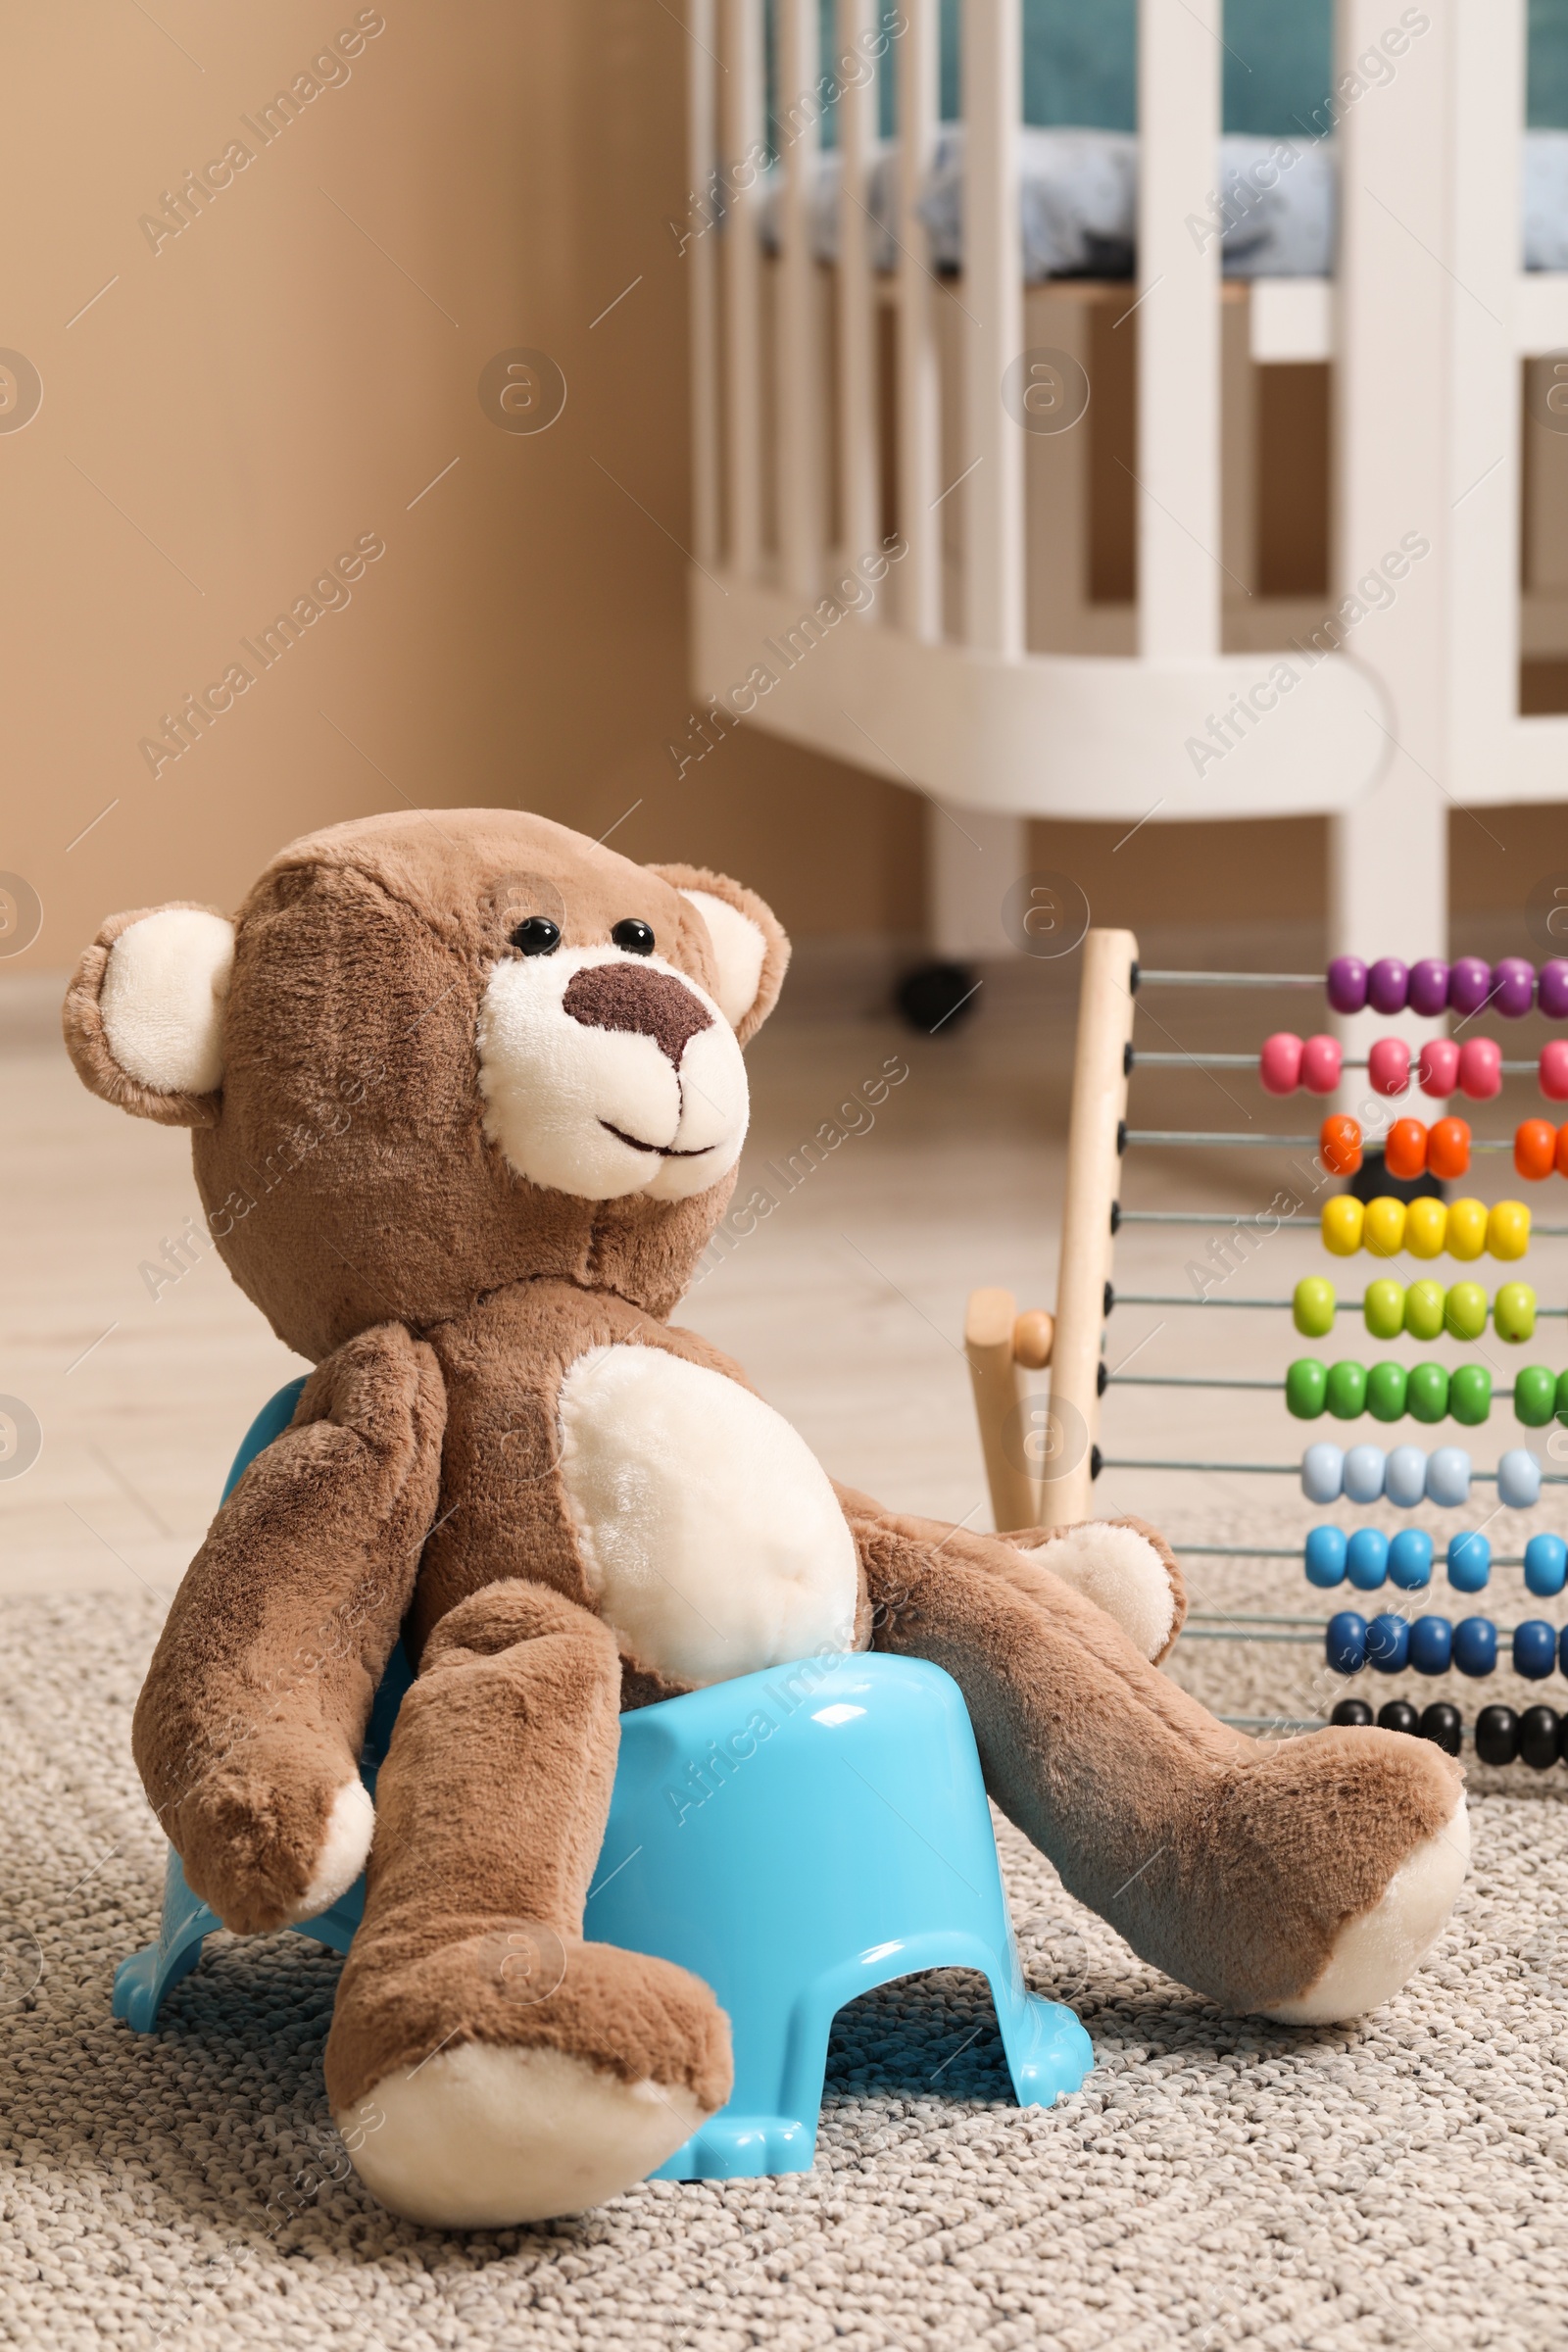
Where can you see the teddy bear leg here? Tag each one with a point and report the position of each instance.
(1303, 1879)
(486, 2066)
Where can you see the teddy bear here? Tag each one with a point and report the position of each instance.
(467, 1096)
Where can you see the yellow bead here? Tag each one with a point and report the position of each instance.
(1383, 1231)
(1467, 1228)
(1426, 1225)
(1343, 1218)
(1508, 1229)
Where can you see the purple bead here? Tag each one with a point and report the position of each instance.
(1388, 984)
(1429, 987)
(1469, 984)
(1348, 984)
(1513, 987)
(1552, 995)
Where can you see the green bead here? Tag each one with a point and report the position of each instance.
(1384, 1309)
(1465, 1312)
(1563, 1398)
(1513, 1311)
(1386, 1384)
(1346, 1396)
(1314, 1307)
(1470, 1394)
(1306, 1386)
(1535, 1396)
(1425, 1393)
(1423, 1310)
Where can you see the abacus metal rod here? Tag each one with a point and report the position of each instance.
(1164, 1137)
(1288, 1551)
(1291, 1725)
(1243, 1216)
(1485, 1478)
(1282, 1305)
(1313, 1627)
(1190, 1379)
(1231, 979)
(1249, 1061)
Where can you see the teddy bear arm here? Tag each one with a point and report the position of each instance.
(249, 1725)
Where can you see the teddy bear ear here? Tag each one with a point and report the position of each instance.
(748, 942)
(144, 1012)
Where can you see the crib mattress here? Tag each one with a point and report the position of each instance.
(1078, 204)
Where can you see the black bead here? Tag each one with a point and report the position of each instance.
(1497, 1736)
(538, 936)
(1442, 1724)
(1397, 1715)
(1353, 1711)
(635, 937)
(1537, 1737)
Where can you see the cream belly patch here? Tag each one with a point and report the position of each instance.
(713, 1540)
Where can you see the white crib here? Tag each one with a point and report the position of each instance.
(827, 402)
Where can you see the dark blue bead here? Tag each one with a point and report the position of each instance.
(1475, 1646)
(1432, 1645)
(1344, 1641)
(1387, 1645)
(1534, 1648)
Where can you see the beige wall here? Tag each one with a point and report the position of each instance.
(276, 381)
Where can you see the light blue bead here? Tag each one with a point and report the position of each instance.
(1325, 1556)
(1469, 1561)
(1518, 1480)
(1387, 1645)
(1431, 1645)
(1323, 1473)
(1364, 1469)
(1448, 1476)
(1409, 1553)
(1404, 1481)
(1366, 1558)
(1475, 1646)
(1546, 1565)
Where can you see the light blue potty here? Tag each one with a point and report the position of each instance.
(795, 1838)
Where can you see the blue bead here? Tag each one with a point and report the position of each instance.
(1367, 1558)
(1325, 1556)
(1534, 1648)
(1518, 1480)
(1387, 1645)
(1323, 1473)
(1404, 1480)
(1475, 1646)
(1469, 1562)
(1448, 1476)
(1409, 1555)
(1344, 1641)
(1562, 1651)
(1546, 1565)
(1365, 1468)
(1431, 1645)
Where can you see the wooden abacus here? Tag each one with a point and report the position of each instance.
(1042, 1454)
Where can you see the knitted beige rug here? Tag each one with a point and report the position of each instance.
(1214, 2183)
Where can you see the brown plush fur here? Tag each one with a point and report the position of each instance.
(351, 1189)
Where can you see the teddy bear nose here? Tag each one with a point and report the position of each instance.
(622, 996)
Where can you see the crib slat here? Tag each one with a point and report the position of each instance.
(743, 370)
(1178, 327)
(702, 134)
(799, 373)
(854, 72)
(993, 333)
(919, 418)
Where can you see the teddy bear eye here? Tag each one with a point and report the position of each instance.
(635, 937)
(538, 936)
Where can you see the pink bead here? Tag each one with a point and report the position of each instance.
(1554, 1070)
(1388, 1066)
(1320, 1065)
(1279, 1065)
(1480, 1068)
(1437, 1071)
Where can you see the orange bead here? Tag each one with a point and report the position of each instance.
(1448, 1147)
(1404, 1149)
(1535, 1149)
(1339, 1143)
(1562, 1150)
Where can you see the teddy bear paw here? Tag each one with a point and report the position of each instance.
(1376, 1952)
(1124, 1568)
(267, 1853)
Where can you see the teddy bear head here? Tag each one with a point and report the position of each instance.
(438, 1053)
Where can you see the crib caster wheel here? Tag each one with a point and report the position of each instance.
(935, 997)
